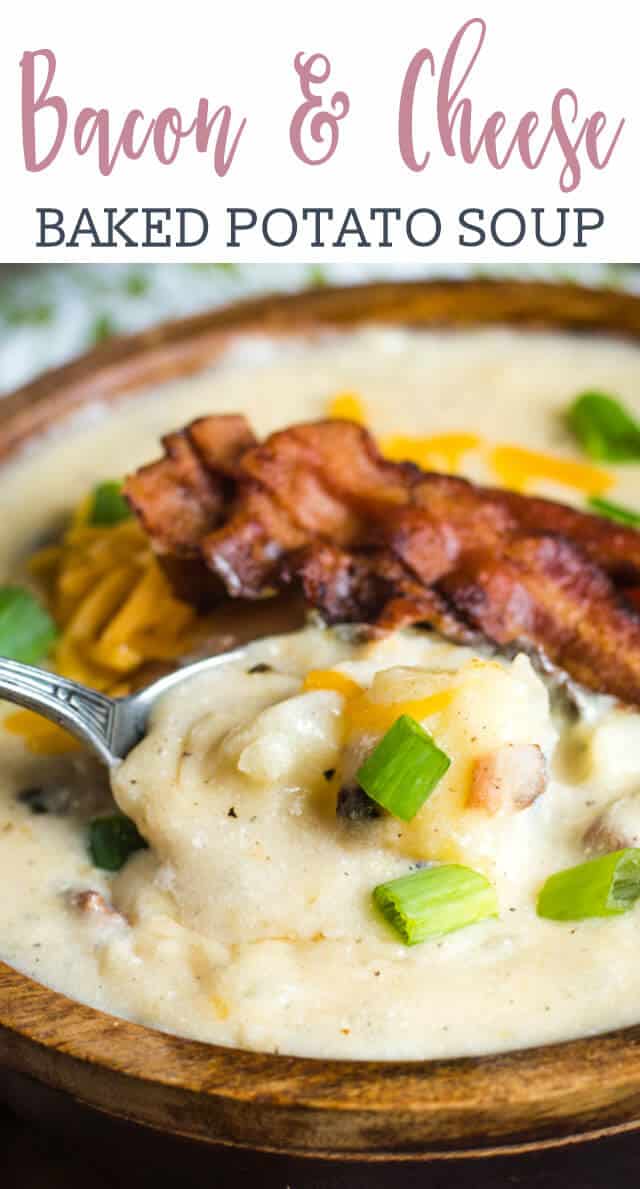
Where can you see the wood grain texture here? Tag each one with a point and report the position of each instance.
(56, 1144)
(302, 1107)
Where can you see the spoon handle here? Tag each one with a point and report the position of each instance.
(91, 717)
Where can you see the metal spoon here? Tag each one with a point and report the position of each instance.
(109, 726)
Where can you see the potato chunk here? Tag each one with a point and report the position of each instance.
(498, 733)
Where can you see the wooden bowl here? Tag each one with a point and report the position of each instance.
(336, 1110)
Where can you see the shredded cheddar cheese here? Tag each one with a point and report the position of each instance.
(365, 715)
(362, 714)
(348, 406)
(518, 468)
(440, 452)
(331, 679)
(116, 613)
(41, 736)
(514, 466)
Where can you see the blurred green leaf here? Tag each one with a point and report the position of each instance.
(103, 328)
(35, 315)
(221, 266)
(137, 283)
(317, 276)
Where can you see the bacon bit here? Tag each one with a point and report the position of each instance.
(354, 805)
(633, 596)
(616, 827)
(511, 777)
(92, 903)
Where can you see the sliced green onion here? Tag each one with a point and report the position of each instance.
(615, 512)
(601, 887)
(404, 768)
(109, 505)
(27, 631)
(436, 900)
(604, 428)
(112, 840)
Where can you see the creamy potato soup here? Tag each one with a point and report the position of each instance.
(249, 917)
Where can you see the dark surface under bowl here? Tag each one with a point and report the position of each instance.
(48, 1141)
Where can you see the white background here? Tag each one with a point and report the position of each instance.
(128, 54)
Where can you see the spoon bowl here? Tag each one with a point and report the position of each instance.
(110, 727)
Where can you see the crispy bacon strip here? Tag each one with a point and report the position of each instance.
(373, 588)
(543, 591)
(183, 496)
(388, 544)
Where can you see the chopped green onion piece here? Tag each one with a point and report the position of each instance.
(436, 900)
(604, 428)
(601, 887)
(615, 512)
(112, 840)
(404, 768)
(27, 631)
(109, 505)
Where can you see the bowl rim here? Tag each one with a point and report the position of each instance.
(371, 1110)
